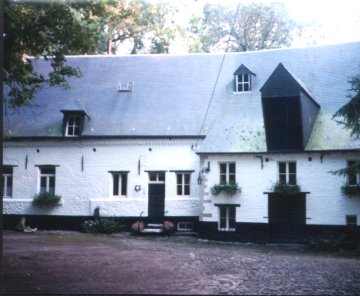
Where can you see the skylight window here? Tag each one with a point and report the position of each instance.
(126, 86)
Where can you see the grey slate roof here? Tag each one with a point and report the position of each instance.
(171, 95)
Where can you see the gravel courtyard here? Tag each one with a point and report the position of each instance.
(53, 262)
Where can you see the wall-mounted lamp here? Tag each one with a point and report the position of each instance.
(137, 188)
(199, 179)
(207, 170)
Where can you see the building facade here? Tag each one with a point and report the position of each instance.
(165, 137)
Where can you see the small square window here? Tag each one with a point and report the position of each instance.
(185, 226)
(351, 220)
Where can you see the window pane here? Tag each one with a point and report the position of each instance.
(162, 177)
(282, 179)
(292, 179)
(76, 131)
(240, 87)
(232, 216)
(282, 167)
(48, 170)
(246, 77)
(292, 167)
(52, 185)
(240, 78)
(179, 178)
(187, 178)
(246, 87)
(232, 168)
(187, 189)
(9, 186)
(115, 184)
(7, 170)
(222, 179)
(43, 184)
(232, 179)
(179, 189)
(222, 168)
(123, 184)
(222, 217)
(152, 176)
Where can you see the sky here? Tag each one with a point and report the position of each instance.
(331, 21)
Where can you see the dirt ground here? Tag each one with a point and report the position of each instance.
(63, 262)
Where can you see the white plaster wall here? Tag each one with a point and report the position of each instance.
(324, 205)
(82, 191)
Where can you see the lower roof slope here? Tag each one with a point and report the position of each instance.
(171, 96)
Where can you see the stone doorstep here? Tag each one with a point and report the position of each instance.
(154, 225)
(152, 230)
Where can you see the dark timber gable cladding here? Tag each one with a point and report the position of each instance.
(289, 112)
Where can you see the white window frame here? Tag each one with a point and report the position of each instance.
(287, 171)
(357, 177)
(183, 184)
(227, 173)
(47, 177)
(242, 83)
(6, 177)
(73, 126)
(185, 226)
(120, 176)
(227, 227)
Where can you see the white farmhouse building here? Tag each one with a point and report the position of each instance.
(151, 135)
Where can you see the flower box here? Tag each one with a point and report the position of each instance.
(230, 189)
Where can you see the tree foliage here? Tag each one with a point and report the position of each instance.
(350, 119)
(350, 112)
(49, 30)
(247, 28)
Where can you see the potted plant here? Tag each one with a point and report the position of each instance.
(228, 188)
(46, 199)
(137, 227)
(168, 227)
(351, 190)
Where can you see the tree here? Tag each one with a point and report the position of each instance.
(250, 27)
(49, 30)
(350, 112)
(350, 119)
(148, 26)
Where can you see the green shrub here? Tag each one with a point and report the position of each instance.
(231, 188)
(351, 190)
(46, 199)
(104, 225)
(286, 188)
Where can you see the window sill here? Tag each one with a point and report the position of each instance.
(227, 230)
(241, 92)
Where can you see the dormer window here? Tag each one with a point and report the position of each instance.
(73, 122)
(242, 83)
(73, 125)
(243, 79)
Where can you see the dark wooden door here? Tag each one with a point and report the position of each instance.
(287, 214)
(156, 201)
